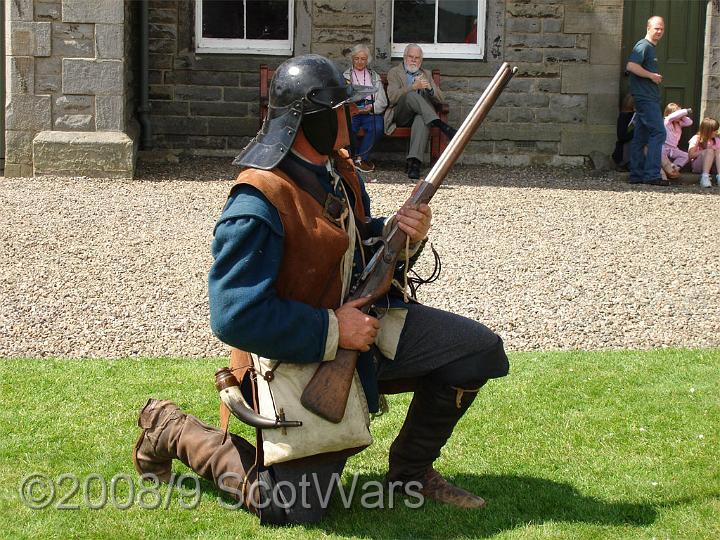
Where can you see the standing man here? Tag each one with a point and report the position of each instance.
(285, 254)
(412, 94)
(645, 82)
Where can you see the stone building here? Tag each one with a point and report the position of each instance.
(91, 82)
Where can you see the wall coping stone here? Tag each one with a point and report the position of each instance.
(95, 154)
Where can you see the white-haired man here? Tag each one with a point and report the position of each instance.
(412, 94)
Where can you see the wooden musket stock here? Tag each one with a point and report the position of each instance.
(327, 392)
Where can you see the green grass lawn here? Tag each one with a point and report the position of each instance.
(570, 445)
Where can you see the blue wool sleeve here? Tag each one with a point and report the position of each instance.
(245, 311)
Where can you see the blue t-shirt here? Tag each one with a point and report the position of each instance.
(641, 88)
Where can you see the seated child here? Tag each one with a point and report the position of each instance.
(625, 130)
(704, 151)
(667, 169)
(675, 120)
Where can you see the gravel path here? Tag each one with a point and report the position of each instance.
(549, 259)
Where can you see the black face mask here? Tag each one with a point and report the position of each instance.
(321, 130)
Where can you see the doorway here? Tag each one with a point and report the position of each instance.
(679, 52)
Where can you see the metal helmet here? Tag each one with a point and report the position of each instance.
(301, 86)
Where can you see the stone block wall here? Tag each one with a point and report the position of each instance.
(71, 67)
(563, 102)
(65, 61)
(337, 25)
(565, 95)
(209, 103)
(202, 104)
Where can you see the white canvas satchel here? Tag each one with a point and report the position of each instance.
(281, 395)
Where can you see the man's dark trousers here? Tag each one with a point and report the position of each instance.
(650, 131)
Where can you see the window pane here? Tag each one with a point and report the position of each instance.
(457, 21)
(267, 19)
(222, 19)
(414, 21)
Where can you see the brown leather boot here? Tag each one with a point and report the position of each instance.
(434, 411)
(169, 433)
(436, 488)
(151, 454)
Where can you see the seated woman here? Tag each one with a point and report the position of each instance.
(369, 112)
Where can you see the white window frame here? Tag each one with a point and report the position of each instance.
(446, 50)
(244, 46)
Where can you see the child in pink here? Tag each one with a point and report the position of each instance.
(704, 149)
(675, 120)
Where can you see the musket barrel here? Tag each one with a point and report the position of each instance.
(478, 113)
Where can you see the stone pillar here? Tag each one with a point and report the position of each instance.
(66, 64)
(710, 102)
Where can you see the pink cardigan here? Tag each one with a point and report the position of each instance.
(712, 143)
(674, 124)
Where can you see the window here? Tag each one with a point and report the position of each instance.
(443, 28)
(244, 26)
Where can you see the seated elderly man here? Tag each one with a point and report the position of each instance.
(411, 93)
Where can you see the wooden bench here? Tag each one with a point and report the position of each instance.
(438, 141)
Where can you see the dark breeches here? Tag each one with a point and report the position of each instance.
(452, 350)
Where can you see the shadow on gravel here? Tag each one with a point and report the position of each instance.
(535, 177)
(222, 169)
(188, 169)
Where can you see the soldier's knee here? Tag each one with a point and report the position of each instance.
(489, 362)
(497, 357)
(475, 368)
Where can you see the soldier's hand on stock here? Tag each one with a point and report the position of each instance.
(357, 330)
(414, 221)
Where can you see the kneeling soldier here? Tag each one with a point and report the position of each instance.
(289, 245)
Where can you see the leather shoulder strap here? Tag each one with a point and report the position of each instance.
(304, 179)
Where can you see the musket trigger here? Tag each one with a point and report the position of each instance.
(372, 241)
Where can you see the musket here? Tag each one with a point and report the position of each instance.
(326, 394)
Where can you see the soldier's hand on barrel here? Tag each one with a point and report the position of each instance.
(414, 221)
